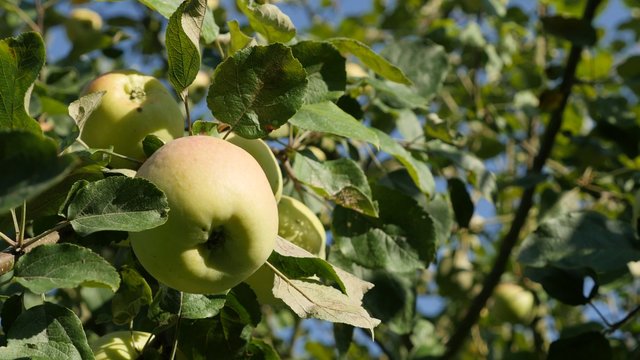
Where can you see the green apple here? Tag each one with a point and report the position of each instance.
(223, 218)
(265, 157)
(454, 275)
(134, 106)
(298, 224)
(83, 27)
(512, 303)
(120, 345)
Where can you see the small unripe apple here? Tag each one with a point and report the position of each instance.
(265, 157)
(134, 106)
(298, 224)
(83, 26)
(120, 345)
(512, 303)
(223, 217)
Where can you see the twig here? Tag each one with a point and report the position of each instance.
(615, 326)
(8, 257)
(16, 226)
(23, 224)
(509, 241)
(175, 340)
(7, 239)
(599, 314)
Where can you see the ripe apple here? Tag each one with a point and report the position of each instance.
(264, 156)
(83, 27)
(134, 106)
(120, 345)
(223, 217)
(512, 303)
(298, 224)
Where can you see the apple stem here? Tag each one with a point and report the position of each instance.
(16, 227)
(286, 279)
(228, 133)
(188, 113)
(7, 239)
(175, 340)
(23, 223)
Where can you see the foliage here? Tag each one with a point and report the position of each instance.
(446, 145)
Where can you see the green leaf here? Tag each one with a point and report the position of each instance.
(257, 89)
(463, 207)
(166, 305)
(47, 331)
(375, 62)
(582, 240)
(166, 8)
(150, 144)
(629, 70)
(325, 69)
(376, 249)
(327, 117)
(64, 266)
(182, 39)
(578, 31)
(239, 40)
(117, 203)
(426, 64)
(21, 59)
(566, 285)
(132, 295)
(307, 298)
(397, 95)
(401, 218)
(591, 345)
(268, 20)
(341, 181)
(481, 178)
(393, 299)
(81, 109)
(32, 166)
(418, 170)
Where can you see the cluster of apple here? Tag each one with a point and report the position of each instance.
(225, 195)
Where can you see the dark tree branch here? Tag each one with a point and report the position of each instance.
(509, 241)
(615, 326)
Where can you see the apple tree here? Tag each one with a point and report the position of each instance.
(326, 179)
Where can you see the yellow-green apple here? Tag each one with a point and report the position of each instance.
(83, 27)
(120, 345)
(298, 224)
(265, 157)
(134, 106)
(512, 303)
(223, 217)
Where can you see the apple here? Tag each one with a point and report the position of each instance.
(265, 157)
(298, 224)
(454, 275)
(134, 106)
(223, 218)
(120, 345)
(512, 303)
(83, 27)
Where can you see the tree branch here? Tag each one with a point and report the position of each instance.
(509, 241)
(8, 257)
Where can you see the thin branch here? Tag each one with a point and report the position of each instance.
(8, 257)
(175, 340)
(509, 241)
(23, 223)
(16, 226)
(23, 15)
(604, 319)
(615, 326)
(7, 239)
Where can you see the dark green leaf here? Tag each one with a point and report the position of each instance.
(64, 266)
(32, 166)
(582, 240)
(257, 89)
(81, 109)
(325, 69)
(564, 285)
(132, 295)
(268, 20)
(117, 203)
(340, 180)
(577, 31)
(183, 39)
(462, 205)
(589, 345)
(375, 62)
(21, 59)
(327, 117)
(150, 144)
(47, 331)
(11, 309)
